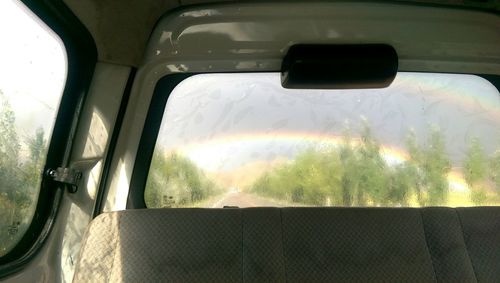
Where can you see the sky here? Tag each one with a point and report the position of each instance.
(32, 68)
(224, 121)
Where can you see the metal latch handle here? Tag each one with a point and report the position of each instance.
(66, 176)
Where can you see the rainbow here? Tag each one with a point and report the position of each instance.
(470, 92)
(479, 95)
(210, 154)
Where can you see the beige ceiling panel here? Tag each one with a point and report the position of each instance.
(120, 28)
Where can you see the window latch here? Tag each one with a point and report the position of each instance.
(66, 176)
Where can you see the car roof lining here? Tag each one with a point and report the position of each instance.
(121, 29)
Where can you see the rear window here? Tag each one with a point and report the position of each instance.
(243, 140)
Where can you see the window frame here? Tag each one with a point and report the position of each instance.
(154, 118)
(161, 93)
(81, 54)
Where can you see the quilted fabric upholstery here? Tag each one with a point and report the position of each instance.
(355, 245)
(481, 230)
(100, 244)
(446, 245)
(164, 246)
(262, 246)
(293, 245)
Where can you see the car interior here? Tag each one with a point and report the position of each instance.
(249, 141)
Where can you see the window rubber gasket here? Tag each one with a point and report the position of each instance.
(161, 93)
(81, 55)
(147, 143)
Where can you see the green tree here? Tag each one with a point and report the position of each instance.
(18, 182)
(348, 175)
(176, 181)
(349, 178)
(475, 171)
(358, 174)
(13, 199)
(399, 184)
(413, 171)
(494, 172)
(428, 168)
(314, 178)
(9, 147)
(318, 174)
(9, 151)
(372, 169)
(436, 166)
(34, 166)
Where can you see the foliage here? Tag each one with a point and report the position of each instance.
(175, 181)
(436, 167)
(9, 148)
(475, 171)
(428, 168)
(494, 174)
(358, 175)
(304, 180)
(18, 182)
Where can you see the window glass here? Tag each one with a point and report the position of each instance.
(243, 140)
(32, 77)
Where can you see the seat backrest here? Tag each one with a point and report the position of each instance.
(481, 232)
(446, 245)
(293, 245)
(355, 245)
(183, 245)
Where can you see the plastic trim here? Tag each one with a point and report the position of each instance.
(99, 203)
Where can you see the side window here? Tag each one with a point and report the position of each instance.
(32, 77)
(243, 140)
